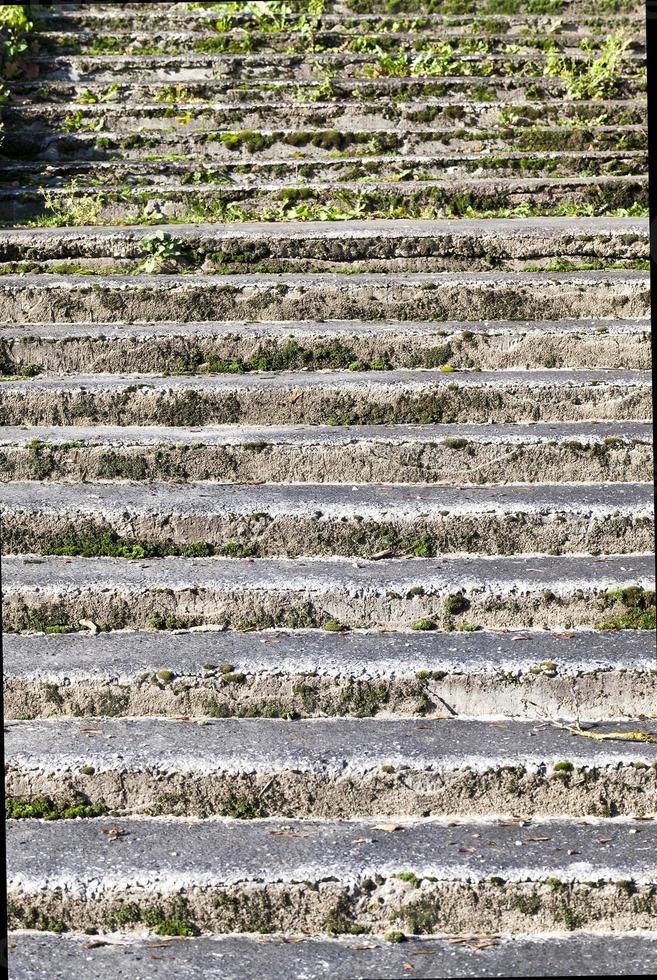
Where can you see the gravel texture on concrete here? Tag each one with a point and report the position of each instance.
(311, 673)
(34, 956)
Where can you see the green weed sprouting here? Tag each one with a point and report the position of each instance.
(597, 75)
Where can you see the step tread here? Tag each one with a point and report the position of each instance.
(126, 654)
(371, 228)
(382, 502)
(124, 283)
(331, 747)
(401, 379)
(314, 576)
(588, 433)
(50, 957)
(437, 329)
(157, 852)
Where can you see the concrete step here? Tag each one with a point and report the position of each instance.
(421, 593)
(188, 116)
(176, 17)
(329, 398)
(486, 197)
(141, 87)
(271, 875)
(610, 294)
(435, 45)
(306, 65)
(236, 347)
(316, 521)
(324, 768)
(583, 675)
(572, 452)
(373, 244)
(319, 144)
(345, 8)
(161, 172)
(50, 957)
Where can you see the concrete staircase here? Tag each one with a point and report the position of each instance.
(327, 516)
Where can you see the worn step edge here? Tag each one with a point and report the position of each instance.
(48, 173)
(561, 37)
(324, 768)
(244, 347)
(208, 201)
(315, 145)
(593, 676)
(228, 876)
(325, 397)
(148, 115)
(304, 61)
(287, 520)
(438, 454)
(42, 956)
(547, 592)
(494, 295)
(137, 86)
(517, 237)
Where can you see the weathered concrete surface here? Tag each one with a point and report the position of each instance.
(520, 238)
(326, 768)
(312, 147)
(177, 201)
(587, 675)
(147, 115)
(572, 452)
(494, 295)
(351, 166)
(564, 591)
(326, 520)
(259, 66)
(318, 397)
(246, 875)
(202, 347)
(38, 957)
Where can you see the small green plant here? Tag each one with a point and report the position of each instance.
(423, 625)
(176, 927)
(45, 808)
(71, 208)
(597, 75)
(333, 626)
(110, 94)
(162, 250)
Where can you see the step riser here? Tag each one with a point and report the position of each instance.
(183, 116)
(603, 791)
(340, 45)
(173, 18)
(121, 607)
(96, 205)
(297, 535)
(136, 405)
(461, 166)
(226, 264)
(439, 244)
(357, 462)
(322, 145)
(453, 907)
(306, 66)
(607, 295)
(600, 695)
(171, 354)
(136, 87)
